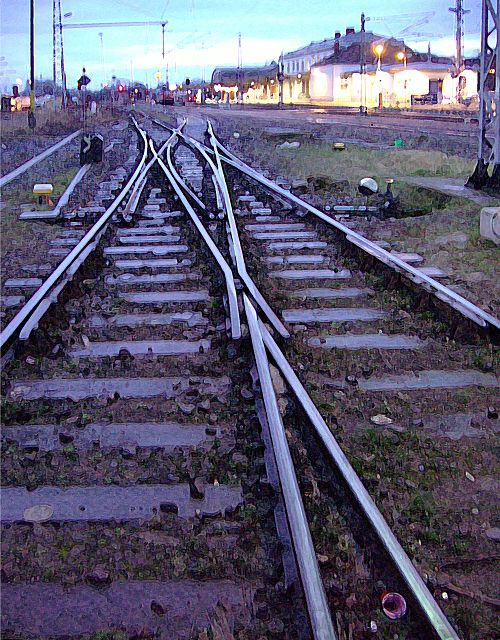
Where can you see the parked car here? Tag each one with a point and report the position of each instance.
(165, 97)
(429, 98)
(41, 101)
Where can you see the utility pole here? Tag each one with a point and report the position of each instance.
(281, 78)
(489, 90)
(459, 12)
(31, 112)
(93, 25)
(163, 57)
(84, 102)
(362, 68)
(102, 60)
(54, 53)
(63, 72)
(238, 78)
(203, 72)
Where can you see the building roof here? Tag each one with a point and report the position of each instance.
(327, 44)
(427, 65)
(229, 76)
(352, 54)
(415, 60)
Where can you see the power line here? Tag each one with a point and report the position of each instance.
(89, 25)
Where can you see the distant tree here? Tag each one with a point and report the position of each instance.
(48, 88)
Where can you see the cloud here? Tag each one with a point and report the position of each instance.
(446, 46)
(223, 53)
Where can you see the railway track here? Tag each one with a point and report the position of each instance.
(166, 473)
(32, 249)
(25, 166)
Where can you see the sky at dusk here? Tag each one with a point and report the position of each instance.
(202, 34)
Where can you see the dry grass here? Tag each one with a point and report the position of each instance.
(12, 230)
(356, 162)
(48, 122)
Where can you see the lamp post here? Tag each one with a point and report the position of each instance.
(163, 57)
(281, 78)
(158, 76)
(362, 70)
(401, 56)
(379, 50)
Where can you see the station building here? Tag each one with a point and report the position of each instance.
(395, 77)
(297, 65)
(329, 72)
(256, 84)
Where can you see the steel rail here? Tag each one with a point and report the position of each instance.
(176, 175)
(36, 301)
(228, 274)
(317, 603)
(202, 149)
(456, 301)
(64, 199)
(240, 262)
(185, 186)
(173, 170)
(443, 293)
(429, 606)
(30, 163)
(238, 251)
(135, 196)
(434, 614)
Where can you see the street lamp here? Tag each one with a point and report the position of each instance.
(401, 56)
(379, 50)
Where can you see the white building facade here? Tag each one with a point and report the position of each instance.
(397, 83)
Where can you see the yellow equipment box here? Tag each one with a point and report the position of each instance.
(43, 189)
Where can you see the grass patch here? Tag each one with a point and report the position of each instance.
(356, 162)
(16, 233)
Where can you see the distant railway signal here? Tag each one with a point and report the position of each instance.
(83, 81)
